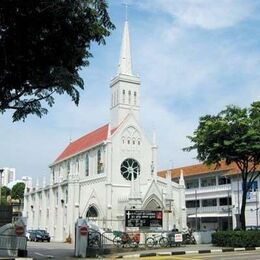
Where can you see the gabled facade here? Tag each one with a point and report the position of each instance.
(107, 171)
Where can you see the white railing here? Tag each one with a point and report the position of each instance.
(224, 187)
(215, 209)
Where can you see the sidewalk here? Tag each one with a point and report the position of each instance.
(188, 249)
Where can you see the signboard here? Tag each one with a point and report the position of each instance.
(178, 237)
(83, 231)
(19, 230)
(6, 213)
(143, 218)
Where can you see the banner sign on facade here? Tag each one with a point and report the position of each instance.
(143, 218)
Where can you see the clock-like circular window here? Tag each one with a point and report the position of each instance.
(130, 167)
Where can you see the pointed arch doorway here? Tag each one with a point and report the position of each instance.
(92, 214)
(152, 204)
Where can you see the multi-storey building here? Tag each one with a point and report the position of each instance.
(213, 196)
(7, 175)
(28, 182)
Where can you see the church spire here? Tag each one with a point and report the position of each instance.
(125, 87)
(125, 63)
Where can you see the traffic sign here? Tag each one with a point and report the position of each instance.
(19, 230)
(83, 230)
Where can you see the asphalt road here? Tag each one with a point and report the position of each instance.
(43, 250)
(53, 250)
(243, 255)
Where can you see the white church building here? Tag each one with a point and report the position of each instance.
(107, 171)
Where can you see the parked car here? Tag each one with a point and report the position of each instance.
(46, 235)
(39, 235)
(252, 227)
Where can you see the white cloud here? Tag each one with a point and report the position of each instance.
(207, 14)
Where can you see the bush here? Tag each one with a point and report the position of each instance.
(236, 238)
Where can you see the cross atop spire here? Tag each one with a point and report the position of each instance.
(125, 63)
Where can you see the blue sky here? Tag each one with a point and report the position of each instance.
(194, 57)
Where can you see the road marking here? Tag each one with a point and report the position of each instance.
(47, 256)
(225, 255)
(173, 257)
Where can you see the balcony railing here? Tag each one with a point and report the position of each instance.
(223, 187)
(215, 209)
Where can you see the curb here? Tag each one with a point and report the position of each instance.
(205, 251)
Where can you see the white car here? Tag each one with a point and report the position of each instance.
(27, 235)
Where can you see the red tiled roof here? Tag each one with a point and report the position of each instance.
(198, 169)
(95, 137)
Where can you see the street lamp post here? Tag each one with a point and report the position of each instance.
(1, 171)
(256, 208)
(228, 211)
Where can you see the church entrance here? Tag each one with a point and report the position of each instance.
(92, 214)
(152, 205)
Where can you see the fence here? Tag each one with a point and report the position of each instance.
(12, 245)
(118, 241)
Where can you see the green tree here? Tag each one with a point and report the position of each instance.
(18, 191)
(43, 45)
(5, 191)
(233, 135)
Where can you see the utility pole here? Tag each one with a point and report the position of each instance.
(228, 210)
(256, 207)
(1, 171)
(196, 210)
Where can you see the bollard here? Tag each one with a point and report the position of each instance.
(81, 238)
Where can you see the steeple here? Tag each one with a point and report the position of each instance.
(125, 86)
(125, 63)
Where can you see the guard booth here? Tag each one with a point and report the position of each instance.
(88, 241)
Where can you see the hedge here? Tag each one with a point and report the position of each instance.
(236, 238)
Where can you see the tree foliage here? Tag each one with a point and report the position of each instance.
(43, 45)
(5, 191)
(18, 191)
(233, 135)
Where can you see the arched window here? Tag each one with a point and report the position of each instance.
(68, 168)
(123, 140)
(66, 196)
(114, 101)
(92, 212)
(129, 97)
(87, 165)
(77, 165)
(99, 162)
(123, 96)
(135, 97)
(57, 197)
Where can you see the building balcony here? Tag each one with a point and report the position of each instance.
(208, 189)
(215, 211)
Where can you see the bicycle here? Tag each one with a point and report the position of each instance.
(188, 238)
(155, 240)
(122, 239)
